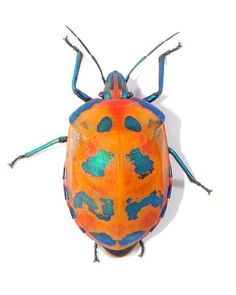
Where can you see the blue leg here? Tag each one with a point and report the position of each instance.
(162, 57)
(186, 170)
(60, 139)
(79, 57)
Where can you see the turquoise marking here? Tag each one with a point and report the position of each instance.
(107, 208)
(149, 106)
(95, 165)
(83, 108)
(143, 164)
(104, 238)
(169, 191)
(132, 124)
(131, 238)
(170, 186)
(72, 212)
(104, 125)
(153, 199)
(163, 211)
(66, 193)
(82, 198)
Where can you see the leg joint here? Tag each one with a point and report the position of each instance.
(63, 139)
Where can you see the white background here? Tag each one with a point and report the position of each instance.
(41, 249)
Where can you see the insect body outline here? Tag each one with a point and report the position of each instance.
(117, 190)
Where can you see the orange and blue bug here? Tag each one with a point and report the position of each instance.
(117, 176)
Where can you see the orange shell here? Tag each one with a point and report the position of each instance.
(104, 203)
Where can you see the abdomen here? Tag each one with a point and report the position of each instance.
(117, 184)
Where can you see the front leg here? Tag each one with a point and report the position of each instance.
(186, 170)
(79, 57)
(162, 58)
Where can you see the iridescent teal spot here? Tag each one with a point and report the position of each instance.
(104, 238)
(163, 211)
(131, 238)
(95, 165)
(82, 198)
(143, 164)
(107, 209)
(154, 199)
(104, 125)
(132, 124)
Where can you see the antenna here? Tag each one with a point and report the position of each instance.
(143, 58)
(86, 48)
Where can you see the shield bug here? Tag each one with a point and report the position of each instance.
(117, 175)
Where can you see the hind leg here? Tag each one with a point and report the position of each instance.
(186, 170)
(142, 248)
(96, 259)
(60, 139)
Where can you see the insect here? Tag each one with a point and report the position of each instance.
(117, 175)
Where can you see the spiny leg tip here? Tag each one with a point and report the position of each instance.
(11, 165)
(141, 253)
(66, 39)
(142, 249)
(206, 189)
